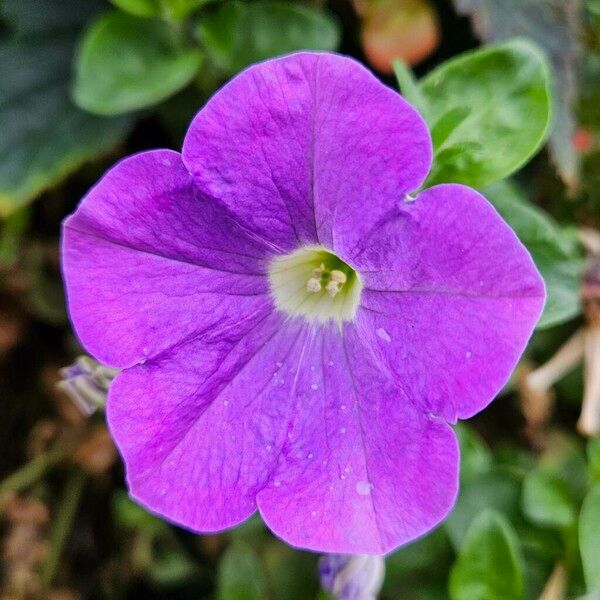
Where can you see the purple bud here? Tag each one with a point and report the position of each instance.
(352, 577)
(86, 382)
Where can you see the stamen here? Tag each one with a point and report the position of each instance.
(313, 285)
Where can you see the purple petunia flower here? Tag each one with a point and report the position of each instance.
(296, 331)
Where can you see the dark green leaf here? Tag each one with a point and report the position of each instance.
(589, 538)
(129, 515)
(292, 574)
(44, 136)
(241, 575)
(489, 565)
(125, 63)
(593, 453)
(496, 489)
(505, 88)
(475, 456)
(546, 500)
(170, 9)
(237, 34)
(429, 557)
(139, 8)
(555, 251)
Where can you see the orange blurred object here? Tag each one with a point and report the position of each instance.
(406, 29)
(583, 140)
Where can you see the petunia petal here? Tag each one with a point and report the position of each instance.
(307, 145)
(363, 469)
(148, 261)
(200, 428)
(451, 298)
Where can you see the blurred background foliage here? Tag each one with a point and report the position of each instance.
(511, 92)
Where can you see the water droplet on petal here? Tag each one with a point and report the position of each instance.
(343, 430)
(363, 488)
(343, 407)
(469, 354)
(330, 363)
(310, 455)
(269, 447)
(225, 402)
(314, 386)
(313, 513)
(279, 364)
(383, 334)
(277, 483)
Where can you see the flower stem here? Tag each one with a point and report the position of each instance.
(67, 510)
(35, 469)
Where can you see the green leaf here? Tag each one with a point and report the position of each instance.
(505, 88)
(44, 136)
(139, 8)
(593, 453)
(546, 500)
(496, 489)
(555, 251)
(488, 566)
(129, 515)
(556, 25)
(292, 574)
(589, 538)
(237, 34)
(241, 574)
(409, 87)
(170, 9)
(475, 456)
(125, 64)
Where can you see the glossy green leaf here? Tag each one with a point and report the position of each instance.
(237, 34)
(546, 500)
(44, 137)
(497, 489)
(556, 25)
(505, 89)
(125, 63)
(489, 565)
(589, 539)
(554, 250)
(170, 9)
(241, 574)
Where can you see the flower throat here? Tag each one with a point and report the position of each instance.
(314, 283)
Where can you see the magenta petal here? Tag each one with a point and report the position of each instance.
(148, 261)
(309, 148)
(201, 427)
(451, 298)
(363, 470)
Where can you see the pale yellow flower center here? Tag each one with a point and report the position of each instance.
(314, 283)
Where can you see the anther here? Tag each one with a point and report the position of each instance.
(313, 285)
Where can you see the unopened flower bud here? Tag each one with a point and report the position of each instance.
(86, 382)
(352, 577)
